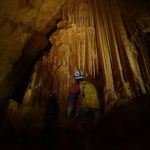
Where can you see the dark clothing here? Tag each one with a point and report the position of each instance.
(52, 111)
(51, 115)
(52, 107)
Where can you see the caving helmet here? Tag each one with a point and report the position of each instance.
(78, 74)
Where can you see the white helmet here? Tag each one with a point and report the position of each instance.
(78, 75)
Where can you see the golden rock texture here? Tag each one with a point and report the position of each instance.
(22, 24)
(119, 54)
(92, 36)
(98, 37)
(23, 28)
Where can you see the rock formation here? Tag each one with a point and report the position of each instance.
(92, 36)
(96, 36)
(22, 24)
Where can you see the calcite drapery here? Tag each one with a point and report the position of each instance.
(92, 36)
(117, 53)
(74, 47)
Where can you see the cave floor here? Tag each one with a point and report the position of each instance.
(68, 140)
(128, 128)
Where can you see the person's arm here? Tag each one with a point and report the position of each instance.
(71, 101)
(72, 98)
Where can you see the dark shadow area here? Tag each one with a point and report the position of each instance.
(125, 127)
(147, 43)
(23, 68)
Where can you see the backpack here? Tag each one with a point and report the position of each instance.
(89, 95)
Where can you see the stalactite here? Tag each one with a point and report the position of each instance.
(131, 53)
(73, 48)
(143, 60)
(112, 42)
(90, 36)
(116, 58)
(103, 45)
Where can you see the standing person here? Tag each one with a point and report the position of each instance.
(52, 111)
(51, 114)
(83, 103)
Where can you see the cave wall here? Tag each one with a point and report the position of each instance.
(24, 29)
(137, 25)
(120, 55)
(22, 24)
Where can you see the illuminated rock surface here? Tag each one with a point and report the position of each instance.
(44, 41)
(92, 36)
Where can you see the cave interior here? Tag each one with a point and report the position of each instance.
(44, 41)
